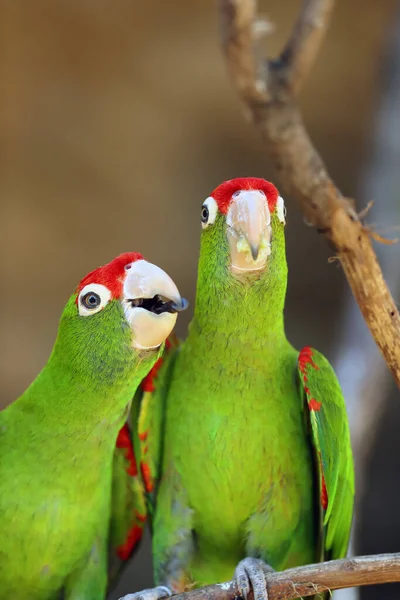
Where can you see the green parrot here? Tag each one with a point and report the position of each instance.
(70, 496)
(243, 441)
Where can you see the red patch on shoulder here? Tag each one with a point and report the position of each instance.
(224, 192)
(125, 550)
(324, 493)
(147, 478)
(124, 441)
(111, 275)
(305, 360)
(148, 382)
(143, 436)
(313, 404)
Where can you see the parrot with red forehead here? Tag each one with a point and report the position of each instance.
(244, 440)
(70, 496)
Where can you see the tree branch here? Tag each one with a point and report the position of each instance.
(312, 579)
(302, 48)
(267, 89)
(238, 42)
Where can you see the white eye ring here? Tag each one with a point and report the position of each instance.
(92, 299)
(209, 211)
(281, 210)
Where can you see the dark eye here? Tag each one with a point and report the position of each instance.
(209, 212)
(91, 300)
(204, 214)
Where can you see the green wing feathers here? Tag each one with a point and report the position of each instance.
(128, 507)
(136, 463)
(331, 441)
(147, 418)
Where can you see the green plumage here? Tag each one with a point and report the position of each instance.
(234, 448)
(57, 444)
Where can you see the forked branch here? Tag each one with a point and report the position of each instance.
(313, 579)
(268, 89)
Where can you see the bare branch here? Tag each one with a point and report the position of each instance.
(239, 42)
(302, 48)
(299, 167)
(312, 579)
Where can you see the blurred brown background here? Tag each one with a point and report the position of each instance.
(116, 120)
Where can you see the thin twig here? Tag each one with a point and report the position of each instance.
(302, 48)
(312, 579)
(267, 90)
(239, 44)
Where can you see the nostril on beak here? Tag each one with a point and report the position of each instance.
(255, 248)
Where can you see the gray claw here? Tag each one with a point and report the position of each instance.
(156, 593)
(252, 573)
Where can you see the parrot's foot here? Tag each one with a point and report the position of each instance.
(156, 593)
(252, 573)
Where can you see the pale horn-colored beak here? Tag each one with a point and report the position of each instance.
(151, 303)
(249, 230)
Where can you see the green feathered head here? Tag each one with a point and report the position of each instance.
(120, 313)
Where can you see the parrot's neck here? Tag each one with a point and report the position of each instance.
(245, 313)
(71, 416)
(249, 317)
(85, 400)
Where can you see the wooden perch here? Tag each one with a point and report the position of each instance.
(312, 579)
(268, 89)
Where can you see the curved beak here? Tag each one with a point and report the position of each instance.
(151, 303)
(249, 231)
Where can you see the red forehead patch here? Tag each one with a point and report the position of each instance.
(112, 274)
(223, 193)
